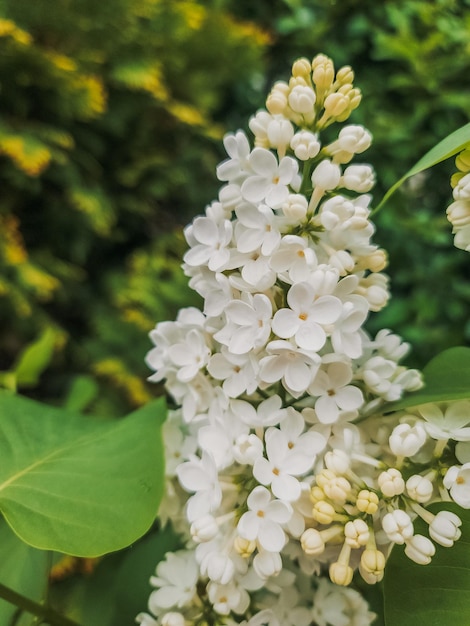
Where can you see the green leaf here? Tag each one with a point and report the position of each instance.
(78, 485)
(446, 378)
(24, 569)
(450, 145)
(82, 392)
(430, 595)
(34, 359)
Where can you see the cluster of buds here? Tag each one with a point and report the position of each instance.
(458, 213)
(284, 474)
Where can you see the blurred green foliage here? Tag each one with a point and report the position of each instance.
(108, 141)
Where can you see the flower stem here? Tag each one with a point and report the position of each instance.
(46, 613)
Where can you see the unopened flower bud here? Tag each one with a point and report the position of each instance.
(406, 440)
(359, 178)
(323, 512)
(367, 502)
(341, 574)
(326, 175)
(337, 461)
(369, 577)
(458, 213)
(312, 542)
(444, 529)
(301, 67)
(305, 145)
(267, 564)
(302, 100)
(373, 561)
(391, 482)
(420, 549)
(345, 75)
(323, 71)
(338, 489)
(354, 138)
(335, 104)
(204, 529)
(462, 161)
(419, 488)
(356, 533)
(173, 619)
(276, 102)
(280, 132)
(295, 207)
(244, 547)
(462, 189)
(398, 526)
(247, 449)
(317, 494)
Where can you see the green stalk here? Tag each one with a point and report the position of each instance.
(46, 613)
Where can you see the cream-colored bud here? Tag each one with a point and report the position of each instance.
(373, 561)
(391, 482)
(323, 512)
(317, 494)
(338, 489)
(335, 104)
(312, 542)
(345, 75)
(367, 502)
(356, 533)
(462, 161)
(244, 547)
(324, 477)
(341, 574)
(455, 178)
(323, 71)
(301, 67)
(276, 102)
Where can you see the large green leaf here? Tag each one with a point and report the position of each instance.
(450, 145)
(79, 485)
(24, 569)
(430, 595)
(446, 378)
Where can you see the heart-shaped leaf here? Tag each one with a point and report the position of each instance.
(79, 485)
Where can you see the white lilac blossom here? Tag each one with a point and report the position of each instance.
(284, 472)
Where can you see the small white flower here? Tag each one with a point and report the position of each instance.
(294, 260)
(256, 229)
(354, 138)
(305, 317)
(453, 422)
(209, 243)
(326, 175)
(267, 564)
(302, 99)
(176, 581)
(295, 207)
(264, 519)
(200, 476)
(295, 367)
(227, 598)
(271, 180)
(238, 149)
(462, 188)
(334, 393)
(249, 324)
(189, 355)
(457, 480)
